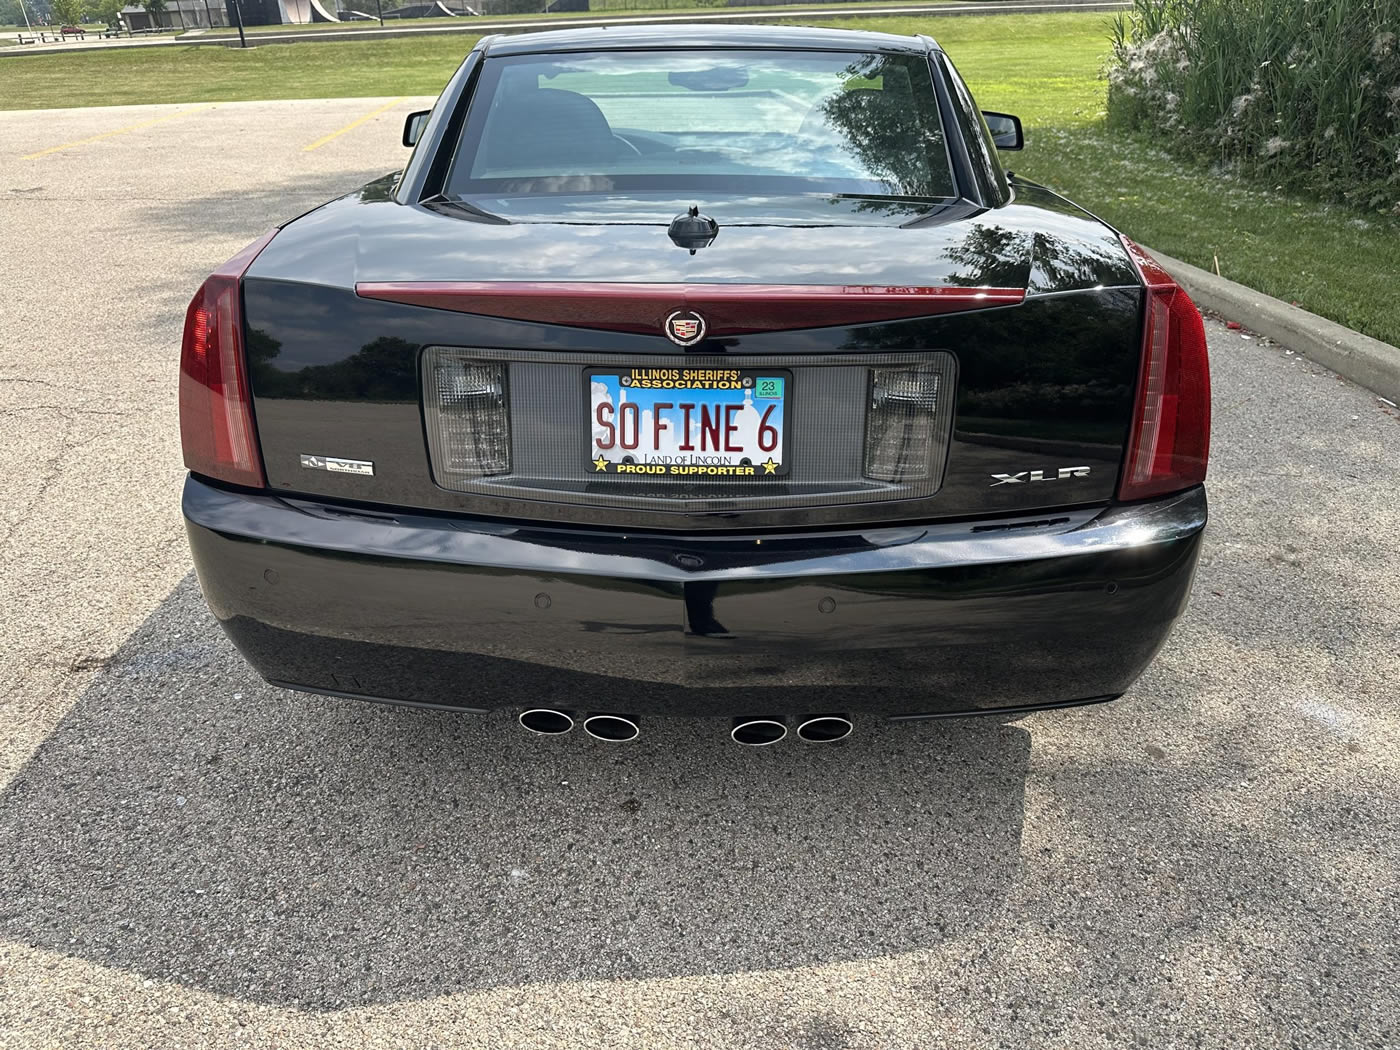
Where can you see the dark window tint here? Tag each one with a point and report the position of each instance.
(740, 121)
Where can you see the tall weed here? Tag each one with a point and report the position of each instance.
(1303, 93)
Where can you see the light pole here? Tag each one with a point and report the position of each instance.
(379, 6)
(238, 13)
(26, 16)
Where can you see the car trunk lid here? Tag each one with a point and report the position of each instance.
(1022, 378)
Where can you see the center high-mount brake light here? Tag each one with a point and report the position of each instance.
(1170, 439)
(216, 410)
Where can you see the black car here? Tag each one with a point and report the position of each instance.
(698, 371)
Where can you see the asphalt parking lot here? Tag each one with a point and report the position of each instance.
(189, 857)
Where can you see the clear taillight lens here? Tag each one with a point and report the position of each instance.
(468, 416)
(899, 423)
(216, 419)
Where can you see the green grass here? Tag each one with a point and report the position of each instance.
(421, 65)
(618, 8)
(1045, 68)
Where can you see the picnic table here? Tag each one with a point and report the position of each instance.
(50, 36)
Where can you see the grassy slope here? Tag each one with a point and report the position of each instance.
(1044, 67)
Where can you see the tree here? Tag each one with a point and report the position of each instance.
(68, 12)
(156, 9)
(108, 10)
(12, 12)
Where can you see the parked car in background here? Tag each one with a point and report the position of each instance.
(700, 370)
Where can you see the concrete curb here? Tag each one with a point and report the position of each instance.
(1369, 362)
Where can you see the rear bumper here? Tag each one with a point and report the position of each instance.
(919, 621)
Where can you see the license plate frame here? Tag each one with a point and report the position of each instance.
(735, 388)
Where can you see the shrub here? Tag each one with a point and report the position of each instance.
(1304, 93)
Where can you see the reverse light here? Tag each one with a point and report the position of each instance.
(468, 414)
(899, 423)
(216, 415)
(1169, 444)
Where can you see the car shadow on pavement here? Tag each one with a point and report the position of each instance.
(250, 208)
(205, 229)
(191, 824)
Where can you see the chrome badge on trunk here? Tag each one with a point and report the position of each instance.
(336, 465)
(1024, 476)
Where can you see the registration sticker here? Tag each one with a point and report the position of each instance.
(688, 422)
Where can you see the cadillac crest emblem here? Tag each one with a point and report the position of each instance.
(684, 327)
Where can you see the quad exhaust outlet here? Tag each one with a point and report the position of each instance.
(825, 729)
(612, 728)
(758, 731)
(750, 730)
(545, 721)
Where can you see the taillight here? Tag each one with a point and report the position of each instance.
(899, 423)
(468, 416)
(1170, 439)
(216, 416)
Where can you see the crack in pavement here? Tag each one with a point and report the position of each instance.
(49, 475)
(64, 408)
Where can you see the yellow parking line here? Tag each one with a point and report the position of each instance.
(118, 131)
(353, 124)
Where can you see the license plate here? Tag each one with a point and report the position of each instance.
(689, 422)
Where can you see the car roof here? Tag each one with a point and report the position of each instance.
(690, 36)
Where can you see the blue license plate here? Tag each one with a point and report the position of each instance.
(712, 423)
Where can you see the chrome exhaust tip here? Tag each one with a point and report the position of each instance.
(612, 728)
(825, 729)
(757, 732)
(545, 721)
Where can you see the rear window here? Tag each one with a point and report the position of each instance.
(735, 121)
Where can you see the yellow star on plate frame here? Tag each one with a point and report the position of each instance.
(769, 467)
(600, 464)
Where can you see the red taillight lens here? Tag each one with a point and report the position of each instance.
(1170, 439)
(216, 417)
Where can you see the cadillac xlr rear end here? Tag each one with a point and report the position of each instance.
(721, 375)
